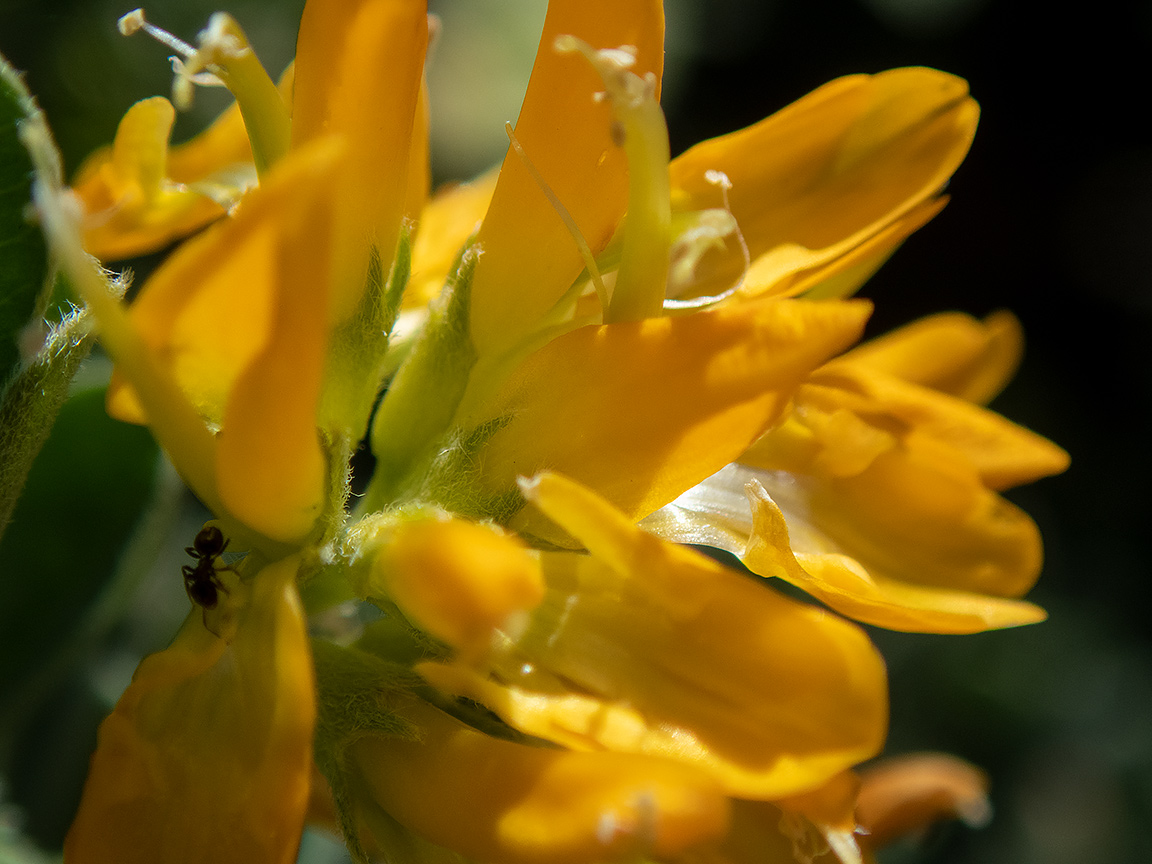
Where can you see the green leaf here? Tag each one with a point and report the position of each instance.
(87, 491)
(23, 254)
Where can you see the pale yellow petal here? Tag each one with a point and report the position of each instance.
(446, 223)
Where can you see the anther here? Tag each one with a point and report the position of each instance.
(134, 21)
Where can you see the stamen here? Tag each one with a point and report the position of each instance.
(135, 21)
(224, 58)
(639, 126)
(565, 217)
(720, 180)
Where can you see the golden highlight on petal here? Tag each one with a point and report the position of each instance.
(456, 579)
(647, 647)
(494, 800)
(208, 754)
(642, 411)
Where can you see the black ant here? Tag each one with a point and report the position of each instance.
(201, 580)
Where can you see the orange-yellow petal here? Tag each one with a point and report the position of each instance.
(642, 411)
(1002, 453)
(239, 315)
(130, 204)
(458, 580)
(212, 739)
(836, 167)
(446, 223)
(494, 800)
(530, 259)
(950, 352)
(906, 794)
(647, 647)
(359, 70)
(271, 468)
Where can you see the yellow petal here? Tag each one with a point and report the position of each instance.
(648, 647)
(493, 800)
(950, 352)
(446, 223)
(130, 207)
(964, 570)
(530, 258)
(843, 162)
(790, 270)
(458, 580)
(1002, 453)
(359, 70)
(239, 314)
(212, 739)
(271, 467)
(642, 411)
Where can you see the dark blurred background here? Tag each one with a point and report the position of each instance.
(1051, 216)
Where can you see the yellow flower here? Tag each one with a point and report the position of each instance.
(878, 494)
(614, 324)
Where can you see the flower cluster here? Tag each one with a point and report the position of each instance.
(501, 651)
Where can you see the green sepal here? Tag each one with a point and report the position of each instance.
(358, 695)
(357, 351)
(23, 252)
(422, 399)
(449, 477)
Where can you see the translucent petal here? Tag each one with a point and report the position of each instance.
(781, 535)
(213, 739)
